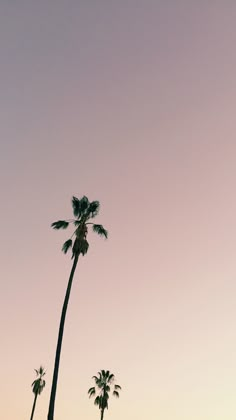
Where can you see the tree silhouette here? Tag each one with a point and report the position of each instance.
(37, 387)
(83, 211)
(103, 384)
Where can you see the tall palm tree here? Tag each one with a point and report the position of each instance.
(37, 387)
(84, 211)
(103, 383)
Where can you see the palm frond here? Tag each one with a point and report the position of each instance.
(41, 386)
(117, 387)
(76, 206)
(91, 392)
(42, 372)
(105, 402)
(93, 209)
(60, 224)
(67, 245)
(38, 386)
(84, 204)
(116, 394)
(100, 230)
(80, 246)
(111, 377)
(97, 400)
(84, 246)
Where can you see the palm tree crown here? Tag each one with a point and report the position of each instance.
(103, 384)
(83, 211)
(39, 383)
(37, 387)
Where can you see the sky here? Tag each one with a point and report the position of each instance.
(131, 103)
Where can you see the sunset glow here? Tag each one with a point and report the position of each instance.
(131, 103)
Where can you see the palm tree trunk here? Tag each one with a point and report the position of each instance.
(102, 414)
(34, 404)
(59, 341)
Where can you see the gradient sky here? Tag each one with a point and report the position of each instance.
(131, 102)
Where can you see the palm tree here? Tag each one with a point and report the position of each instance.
(37, 387)
(103, 383)
(83, 211)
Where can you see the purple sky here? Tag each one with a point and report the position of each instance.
(131, 103)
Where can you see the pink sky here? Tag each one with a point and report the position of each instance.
(131, 103)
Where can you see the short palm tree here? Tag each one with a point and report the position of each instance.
(103, 384)
(37, 387)
(84, 211)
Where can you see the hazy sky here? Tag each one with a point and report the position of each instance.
(131, 103)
